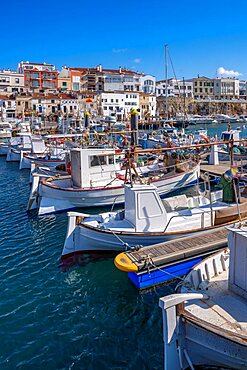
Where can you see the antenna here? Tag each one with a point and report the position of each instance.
(166, 72)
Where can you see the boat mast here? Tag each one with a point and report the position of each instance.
(166, 72)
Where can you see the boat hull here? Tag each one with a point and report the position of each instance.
(64, 197)
(87, 238)
(224, 352)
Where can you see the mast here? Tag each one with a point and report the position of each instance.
(166, 72)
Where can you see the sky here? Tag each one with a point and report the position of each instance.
(202, 36)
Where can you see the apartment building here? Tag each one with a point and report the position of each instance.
(118, 104)
(175, 88)
(7, 108)
(148, 84)
(147, 104)
(226, 88)
(203, 87)
(39, 76)
(11, 81)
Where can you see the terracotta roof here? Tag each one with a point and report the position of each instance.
(5, 97)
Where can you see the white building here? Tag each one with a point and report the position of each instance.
(148, 83)
(175, 88)
(120, 80)
(7, 108)
(31, 65)
(226, 88)
(11, 81)
(118, 104)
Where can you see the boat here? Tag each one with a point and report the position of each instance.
(97, 180)
(239, 151)
(205, 324)
(203, 120)
(5, 130)
(147, 219)
(20, 143)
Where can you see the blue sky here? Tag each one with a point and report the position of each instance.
(202, 35)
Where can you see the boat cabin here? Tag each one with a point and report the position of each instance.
(230, 135)
(89, 166)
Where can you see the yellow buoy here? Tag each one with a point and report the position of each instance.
(124, 263)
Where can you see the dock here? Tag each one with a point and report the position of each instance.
(219, 169)
(163, 262)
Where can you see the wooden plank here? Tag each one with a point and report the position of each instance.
(180, 248)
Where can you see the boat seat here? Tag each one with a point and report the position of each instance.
(229, 214)
(176, 203)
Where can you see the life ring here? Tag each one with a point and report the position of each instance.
(68, 168)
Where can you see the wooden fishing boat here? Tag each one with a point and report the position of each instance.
(206, 324)
(97, 180)
(147, 220)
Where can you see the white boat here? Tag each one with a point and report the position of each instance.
(20, 143)
(239, 151)
(5, 130)
(197, 119)
(97, 180)
(147, 220)
(206, 324)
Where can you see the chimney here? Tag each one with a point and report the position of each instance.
(99, 68)
(120, 69)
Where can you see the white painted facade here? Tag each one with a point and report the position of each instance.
(11, 81)
(148, 84)
(40, 66)
(175, 88)
(119, 105)
(7, 109)
(70, 106)
(226, 88)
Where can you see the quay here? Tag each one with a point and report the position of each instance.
(220, 168)
(160, 263)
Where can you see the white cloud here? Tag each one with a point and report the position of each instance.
(123, 50)
(227, 73)
(137, 60)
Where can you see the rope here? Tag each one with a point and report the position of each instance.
(150, 261)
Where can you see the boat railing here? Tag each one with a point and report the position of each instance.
(202, 213)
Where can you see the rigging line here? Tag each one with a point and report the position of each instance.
(173, 69)
(150, 261)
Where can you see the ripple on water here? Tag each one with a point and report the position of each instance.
(89, 317)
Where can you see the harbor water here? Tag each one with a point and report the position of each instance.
(87, 317)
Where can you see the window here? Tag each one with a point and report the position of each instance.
(17, 80)
(64, 84)
(34, 106)
(112, 100)
(195, 83)
(35, 75)
(52, 101)
(145, 211)
(95, 160)
(27, 74)
(105, 108)
(111, 159)
(200, 83)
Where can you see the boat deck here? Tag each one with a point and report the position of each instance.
(223, 308)
(179, 249)
(219, 169)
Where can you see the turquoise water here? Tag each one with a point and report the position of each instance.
(216, 129)
(88, 317)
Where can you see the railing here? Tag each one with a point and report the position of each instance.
(202, 213)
